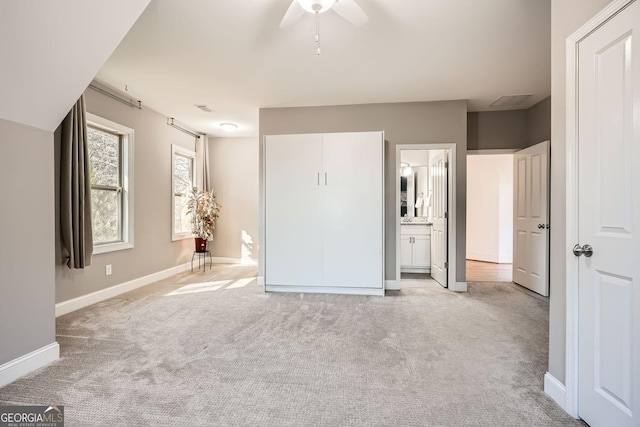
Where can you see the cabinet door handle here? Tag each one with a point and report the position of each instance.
(325, 178)
(318, 179)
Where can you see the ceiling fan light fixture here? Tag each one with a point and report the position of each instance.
(316, 6)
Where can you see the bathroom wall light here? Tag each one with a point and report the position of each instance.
(229, 127)
(405, 169)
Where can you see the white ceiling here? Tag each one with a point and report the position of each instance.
(231, 56)
(51, 50)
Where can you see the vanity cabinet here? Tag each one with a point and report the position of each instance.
(324, 209)
(415, 248)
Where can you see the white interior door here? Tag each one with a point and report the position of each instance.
(531, 218)
(439, 203)
(293, 210)
(609, 222)
(352, 234)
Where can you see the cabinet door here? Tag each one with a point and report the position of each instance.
(421, 251)
(352, 232)
(406, 253)
(293, 210)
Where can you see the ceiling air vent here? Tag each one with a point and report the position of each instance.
(203, 108)
(509, 100)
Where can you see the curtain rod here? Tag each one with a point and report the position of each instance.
(170, 123)
(130, 102)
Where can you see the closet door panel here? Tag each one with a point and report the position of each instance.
(352, 237)
(293, 210)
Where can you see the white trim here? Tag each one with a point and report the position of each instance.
(571, 220)
(83, 301)
(555, 390)
(21, 366)
(459, 287)
(230, 260)
(260, 281)
(326, 290)
(491, 151)
(415, 270)
(392, 285)
(127, 182)
(189, 154)
(452, 221)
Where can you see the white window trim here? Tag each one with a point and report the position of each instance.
(127, 183)
(185, 152)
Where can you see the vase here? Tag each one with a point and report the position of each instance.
(201, 244)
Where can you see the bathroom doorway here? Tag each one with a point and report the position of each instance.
(425, 219)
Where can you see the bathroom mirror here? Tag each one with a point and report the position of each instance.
(413, 191)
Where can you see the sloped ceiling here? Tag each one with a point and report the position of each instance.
(51, 50)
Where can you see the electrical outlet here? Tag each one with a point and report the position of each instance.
(107, 270)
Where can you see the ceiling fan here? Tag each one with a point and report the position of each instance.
(348, 9)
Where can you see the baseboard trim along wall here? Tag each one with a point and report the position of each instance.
(227, 260)
(555, 390)
(83, 301)
(11, 371)
(459, 287)
(392, 285)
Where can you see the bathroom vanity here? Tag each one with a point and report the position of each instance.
(415, 245)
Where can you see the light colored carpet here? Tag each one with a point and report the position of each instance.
(225, 353)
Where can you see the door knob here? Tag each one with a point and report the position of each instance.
(540, 226)
(585, 250)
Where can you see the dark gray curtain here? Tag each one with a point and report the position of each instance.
(75, 189)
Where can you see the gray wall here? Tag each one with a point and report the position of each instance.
(27, 319)
(514, 129)
(539, 122)
(403, 123)
(493, 130)
(566, 17)
(234, 175)
(154, 251)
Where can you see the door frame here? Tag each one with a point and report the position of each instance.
(569, 402)
(451, 207)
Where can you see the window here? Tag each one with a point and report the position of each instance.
(183, 180)
(111, 174)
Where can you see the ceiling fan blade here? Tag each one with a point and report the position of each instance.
(294, 13)
(350, 11)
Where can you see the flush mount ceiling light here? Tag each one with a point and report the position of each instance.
(229, 127)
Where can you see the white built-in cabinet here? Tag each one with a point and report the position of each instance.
(415, 248)
(324, 219)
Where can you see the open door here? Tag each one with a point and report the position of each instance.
(607, 248)
(439, 217)
(531, 218)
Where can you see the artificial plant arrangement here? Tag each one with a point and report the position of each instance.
(204, 210)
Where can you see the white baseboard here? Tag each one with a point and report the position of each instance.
(556, 390)
(415, 270)
(260, 280)
(11, 371)
(459, 287)
(483, 257)
(228, 260)
(392, 285)
(113, 291)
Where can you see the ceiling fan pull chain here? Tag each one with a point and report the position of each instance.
(318, 32)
